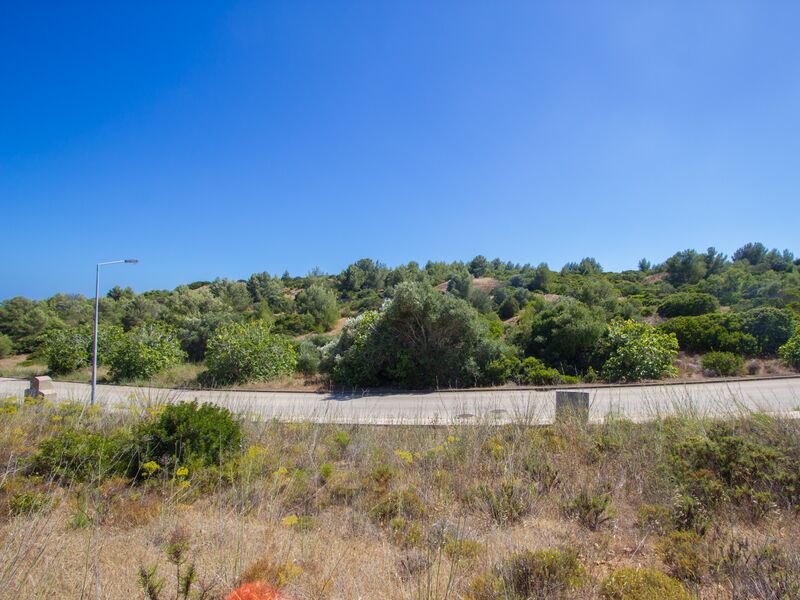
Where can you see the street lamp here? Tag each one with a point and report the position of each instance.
(130, 261)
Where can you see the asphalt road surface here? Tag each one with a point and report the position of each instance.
(719, 399)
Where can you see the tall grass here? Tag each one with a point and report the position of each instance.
(364, 511)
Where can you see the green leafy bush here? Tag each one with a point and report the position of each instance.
(83, 455)
(723, 363)
(563, 334)
(319, 302)
(188, 432)
(688, 304)
(242, 352)
(790, 351)
(6, 345)
(421, 338)
(144, 351)
(759, 331)
(532, 371)
(639, 351)
(68, 349)
(629, 583)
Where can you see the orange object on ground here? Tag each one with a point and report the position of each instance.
(257, 590)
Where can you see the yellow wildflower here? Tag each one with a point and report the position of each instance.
(405, 456)
(290, 521)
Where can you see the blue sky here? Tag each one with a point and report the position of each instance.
(222, 139)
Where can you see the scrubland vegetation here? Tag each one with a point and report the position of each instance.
(186, 501)
(480, 323)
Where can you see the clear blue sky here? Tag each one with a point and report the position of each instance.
(220, 139)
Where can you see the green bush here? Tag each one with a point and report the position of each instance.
(790, 351)
(420, 338)
(639, 351)
(83, 455)
(563, 334)
(68, 349)
(532, 371)
(319, 302)
(242, 352)
(6, 345)
(759, 331)
(630, 583)
(541, 574)
(144, 351)
(723, 364)
(187, 432)
(688, 304)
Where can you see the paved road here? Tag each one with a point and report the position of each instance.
(779, 396)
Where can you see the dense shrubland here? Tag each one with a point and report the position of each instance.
(445, 324)
(677, 508)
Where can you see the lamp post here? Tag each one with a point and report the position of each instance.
(130, 261)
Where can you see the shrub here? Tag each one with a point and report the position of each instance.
(639, 351)
(688, 304)
(420, 338)
(683, 552)
(505, 502)
(188, 432)
(541, 574)
(310, 353)
(320, 303)
(242, 352)
(712, 332)
(28, 503)
(723, 364)
(404, 503)
(6, 345)
(144, 351)
(630, 583)
(564, 333)
(71, 348)
(590, 507)
(532, 371)
(83, 455)
(733, 461)
(790, 351)
(67, 349)
(771, 327)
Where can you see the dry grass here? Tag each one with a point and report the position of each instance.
(313, 508)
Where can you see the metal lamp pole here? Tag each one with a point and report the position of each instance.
(130, 261)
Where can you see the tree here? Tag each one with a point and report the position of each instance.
(245, 352)
(752, 252)
(645, 265)
(24, 321)
(319, 302)
(478, 266)
(144, 351)
(587, 266)
(639, 351)
(686, 267)
(420, 338)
